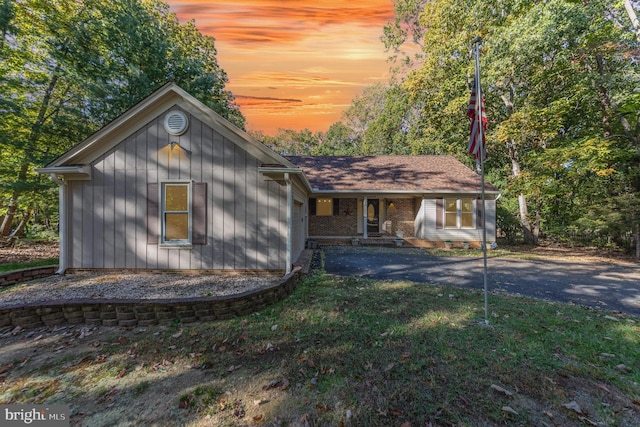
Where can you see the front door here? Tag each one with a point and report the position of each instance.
(373, 216)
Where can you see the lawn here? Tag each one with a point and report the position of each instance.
(343, 352)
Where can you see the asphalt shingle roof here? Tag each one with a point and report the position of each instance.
(389, 173)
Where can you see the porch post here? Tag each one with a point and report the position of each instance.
(364, 218)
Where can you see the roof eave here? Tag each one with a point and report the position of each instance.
(67, 172)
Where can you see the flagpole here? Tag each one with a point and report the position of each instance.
(478, 107)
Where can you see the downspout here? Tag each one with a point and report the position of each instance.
(289, 262)
(62, 222)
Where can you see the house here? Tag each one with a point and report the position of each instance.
(431, 198)
(171, 185)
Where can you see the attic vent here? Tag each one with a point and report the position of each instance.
(175, 122)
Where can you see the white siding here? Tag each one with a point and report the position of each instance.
(425, 224)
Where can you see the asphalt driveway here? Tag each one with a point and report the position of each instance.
(606, 286)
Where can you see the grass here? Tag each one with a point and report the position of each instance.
(20, 265)
(376, 353)
(402, 351)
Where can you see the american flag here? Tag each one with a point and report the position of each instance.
(474, 144)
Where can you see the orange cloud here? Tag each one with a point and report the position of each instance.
(294, 64)
(246, 22)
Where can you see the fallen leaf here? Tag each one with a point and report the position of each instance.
(281, 384)
(510, 410)
(615, 319)
(501, 390)
(122, 373)
(395, 411)
(323, 407)
(123, 340)
(623, 367)
(5, 368)
(573, 405)
(177, 334)
(389, 367)
(257, 419)
(233, 368)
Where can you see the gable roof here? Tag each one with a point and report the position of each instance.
(158, 102)
(389, 174)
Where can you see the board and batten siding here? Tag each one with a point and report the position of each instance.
(245, 214)
(427, 227)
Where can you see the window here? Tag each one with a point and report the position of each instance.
(458, 213)
(466, 213)
(324, 207)
(176, 213)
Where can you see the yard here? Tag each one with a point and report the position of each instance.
(343, 352)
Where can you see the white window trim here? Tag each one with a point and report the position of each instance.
(182, 243)
(459, 215)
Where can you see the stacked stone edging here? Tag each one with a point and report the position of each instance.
(26, 274)
(145, 312)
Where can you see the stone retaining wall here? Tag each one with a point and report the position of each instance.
(17, 276)
(141, 312)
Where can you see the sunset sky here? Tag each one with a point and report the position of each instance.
(294, 64)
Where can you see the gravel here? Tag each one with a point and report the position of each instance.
(132, 286)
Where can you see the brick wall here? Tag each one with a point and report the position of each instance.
(345, 224)
(402, 218)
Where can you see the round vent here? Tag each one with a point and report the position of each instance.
(175, 122)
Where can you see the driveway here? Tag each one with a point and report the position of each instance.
(607, 286)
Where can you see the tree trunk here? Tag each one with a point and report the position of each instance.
(28, 152)
(637, 241)
(522, 200)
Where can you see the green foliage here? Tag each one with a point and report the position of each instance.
(560, 81)
(70, 66)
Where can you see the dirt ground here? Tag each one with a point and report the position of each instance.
(24, 252)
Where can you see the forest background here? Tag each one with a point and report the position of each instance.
(560, 81)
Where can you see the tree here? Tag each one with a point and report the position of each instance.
(70, 66)
(559, 78)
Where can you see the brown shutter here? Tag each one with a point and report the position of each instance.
(479, 213)
(312, 206)
(153, 213)
(199, 213)
(439, 213)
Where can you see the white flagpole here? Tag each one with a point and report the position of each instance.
(478, 107)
